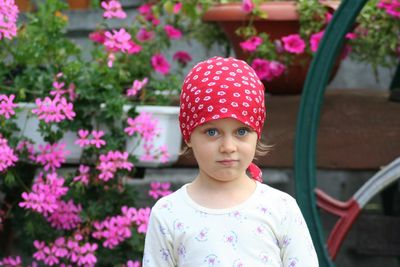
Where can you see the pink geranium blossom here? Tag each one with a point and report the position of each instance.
(314, 40)
(7, 106)
(136, 87)
(134, 48)
(54, 110)
(182, 57)
(97, 141)
(250, 45)
(117, 40)
(83, 176)
(294, 44)
(172, 32)
(392, 8)
(65, 216)
(158, 189)
(98, 37)
(45, 194)
(11, 262)
(113, 9)
(7, 155)
(131, 263)
(27, 146)
(177, 8)
(143, 124)
(83, 140)
(143, 35)
(146, 11)
(59, 88)
(51, 156)
(8, 19)
(111, 162)
(247, 6)
(267, 70)
(160, 64)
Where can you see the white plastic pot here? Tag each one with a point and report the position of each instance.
(169, 135)
(29, 125)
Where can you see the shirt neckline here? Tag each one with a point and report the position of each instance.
(201, 208)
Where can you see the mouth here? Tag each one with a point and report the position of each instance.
(228, 162)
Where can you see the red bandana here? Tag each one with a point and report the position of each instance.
(222, 88)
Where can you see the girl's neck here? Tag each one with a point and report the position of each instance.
(221, 195)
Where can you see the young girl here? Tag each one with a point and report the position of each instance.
(224, 217)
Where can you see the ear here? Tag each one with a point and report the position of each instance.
(188, 143)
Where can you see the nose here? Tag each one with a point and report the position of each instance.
(227, 145)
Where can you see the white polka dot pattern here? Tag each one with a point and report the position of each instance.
(221, 88)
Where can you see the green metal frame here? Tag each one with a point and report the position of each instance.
(308, 119)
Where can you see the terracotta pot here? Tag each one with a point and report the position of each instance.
(78, 4)
(24, 5)
(282, 20)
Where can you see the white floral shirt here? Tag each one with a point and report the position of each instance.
(267, 229)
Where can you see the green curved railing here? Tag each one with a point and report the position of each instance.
(309, 115)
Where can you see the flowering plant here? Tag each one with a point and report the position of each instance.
(376, 29)
(86, 214)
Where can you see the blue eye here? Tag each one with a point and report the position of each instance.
(242, 131)
(211, 132)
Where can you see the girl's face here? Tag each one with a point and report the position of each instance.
(223, 148)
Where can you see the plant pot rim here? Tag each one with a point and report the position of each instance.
(154, 109)
(278, 10)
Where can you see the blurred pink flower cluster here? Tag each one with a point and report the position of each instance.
(8, 19)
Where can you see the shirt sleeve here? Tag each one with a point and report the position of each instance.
(158, 248)
(297, 248)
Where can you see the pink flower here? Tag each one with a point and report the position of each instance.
(54, 110)
(83, 176)
(160, 64)
(39, 254)
(45, 194)
(7, 155)
(97, 141)
(113, 9)
(11, 262)
(261, 67)
(111, 162)
(158, 189)
(351, 36)
(172, 33)
(52, 156)
(276, 68)
(182, 57)
(315, 39)
(83, 138)
(134, 48)
(7, 106)
(392, 8)
(143, 35)
(118, 40)
(145, 125)
(250, 45)
(145, 9)
(247, 6)
(97, 37)
(294, 44)
(110, 59)
(177, 8)
(8, 19)
(65, 216)
(136, 87)
(267, 70)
